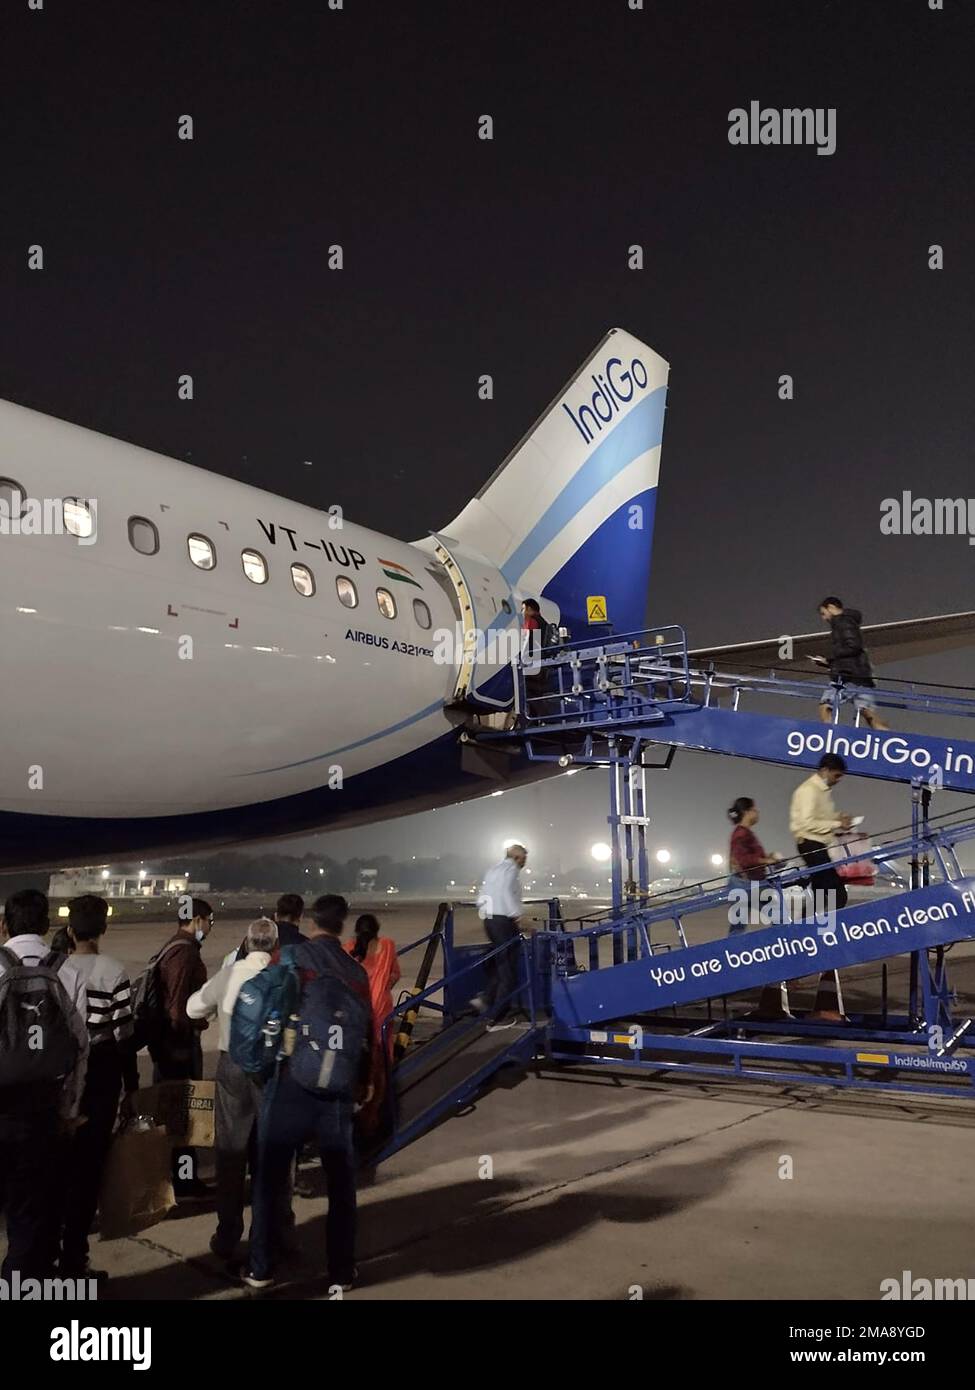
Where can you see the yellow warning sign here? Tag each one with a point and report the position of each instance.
(596, 608)
(880, 1057)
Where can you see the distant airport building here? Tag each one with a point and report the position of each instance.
(121, 883)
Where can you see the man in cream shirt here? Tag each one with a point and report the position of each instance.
(237, 1096)
(814, 821)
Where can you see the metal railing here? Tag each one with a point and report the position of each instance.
(577, 683)
(709, 685)
(636, 676)
(636, 927)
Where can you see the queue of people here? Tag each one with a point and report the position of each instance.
(59, 1105)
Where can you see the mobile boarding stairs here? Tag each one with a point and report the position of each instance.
(650, 984)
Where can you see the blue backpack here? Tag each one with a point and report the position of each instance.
(332, 1033)
(261, 1011)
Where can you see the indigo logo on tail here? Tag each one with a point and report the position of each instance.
(614, 390)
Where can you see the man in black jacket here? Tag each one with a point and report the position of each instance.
(849, 665)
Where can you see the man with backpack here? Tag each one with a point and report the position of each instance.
(325, 1068)
(43, 1056)
(237, 1095)
(174, 1039)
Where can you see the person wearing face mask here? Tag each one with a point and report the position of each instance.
(177, 1052)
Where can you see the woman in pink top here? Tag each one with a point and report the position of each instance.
(377, 956)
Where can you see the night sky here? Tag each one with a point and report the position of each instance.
(509, 257)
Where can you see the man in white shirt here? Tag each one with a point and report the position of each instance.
(499, 905)
(237, 1096)
(814, 821)
(35, 1119)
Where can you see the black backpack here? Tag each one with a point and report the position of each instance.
(39, 1047)
(148, 1008)
(328, 1036)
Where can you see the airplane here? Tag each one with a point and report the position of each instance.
(190, 661)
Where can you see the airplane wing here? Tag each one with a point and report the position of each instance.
(885, 642)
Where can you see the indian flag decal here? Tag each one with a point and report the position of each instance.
(394, 571)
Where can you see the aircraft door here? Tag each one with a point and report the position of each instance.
(489, 630)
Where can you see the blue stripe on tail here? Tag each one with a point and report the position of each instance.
(615, 562)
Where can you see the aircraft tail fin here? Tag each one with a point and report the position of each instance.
(569, 514)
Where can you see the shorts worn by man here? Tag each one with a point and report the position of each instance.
(849, 664)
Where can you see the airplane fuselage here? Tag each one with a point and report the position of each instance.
(190, 660)
(148, 701)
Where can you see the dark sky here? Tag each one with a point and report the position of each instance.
(464, 257)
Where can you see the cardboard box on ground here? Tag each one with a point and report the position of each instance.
(184, 1108)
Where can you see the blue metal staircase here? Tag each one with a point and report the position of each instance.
(443, 1071)
(627, 989)
(644, 687)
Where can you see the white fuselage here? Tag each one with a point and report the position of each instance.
(142, 686)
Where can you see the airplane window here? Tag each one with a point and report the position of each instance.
(387, 604)
(255, 566)
(78, 520)
(421, 612)
(202, 552)
(11, 502)
(303, 580)
(143, 535)
(505, 605)
(346, 591)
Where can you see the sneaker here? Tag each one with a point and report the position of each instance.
(255, 1281)
(501, 1024)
